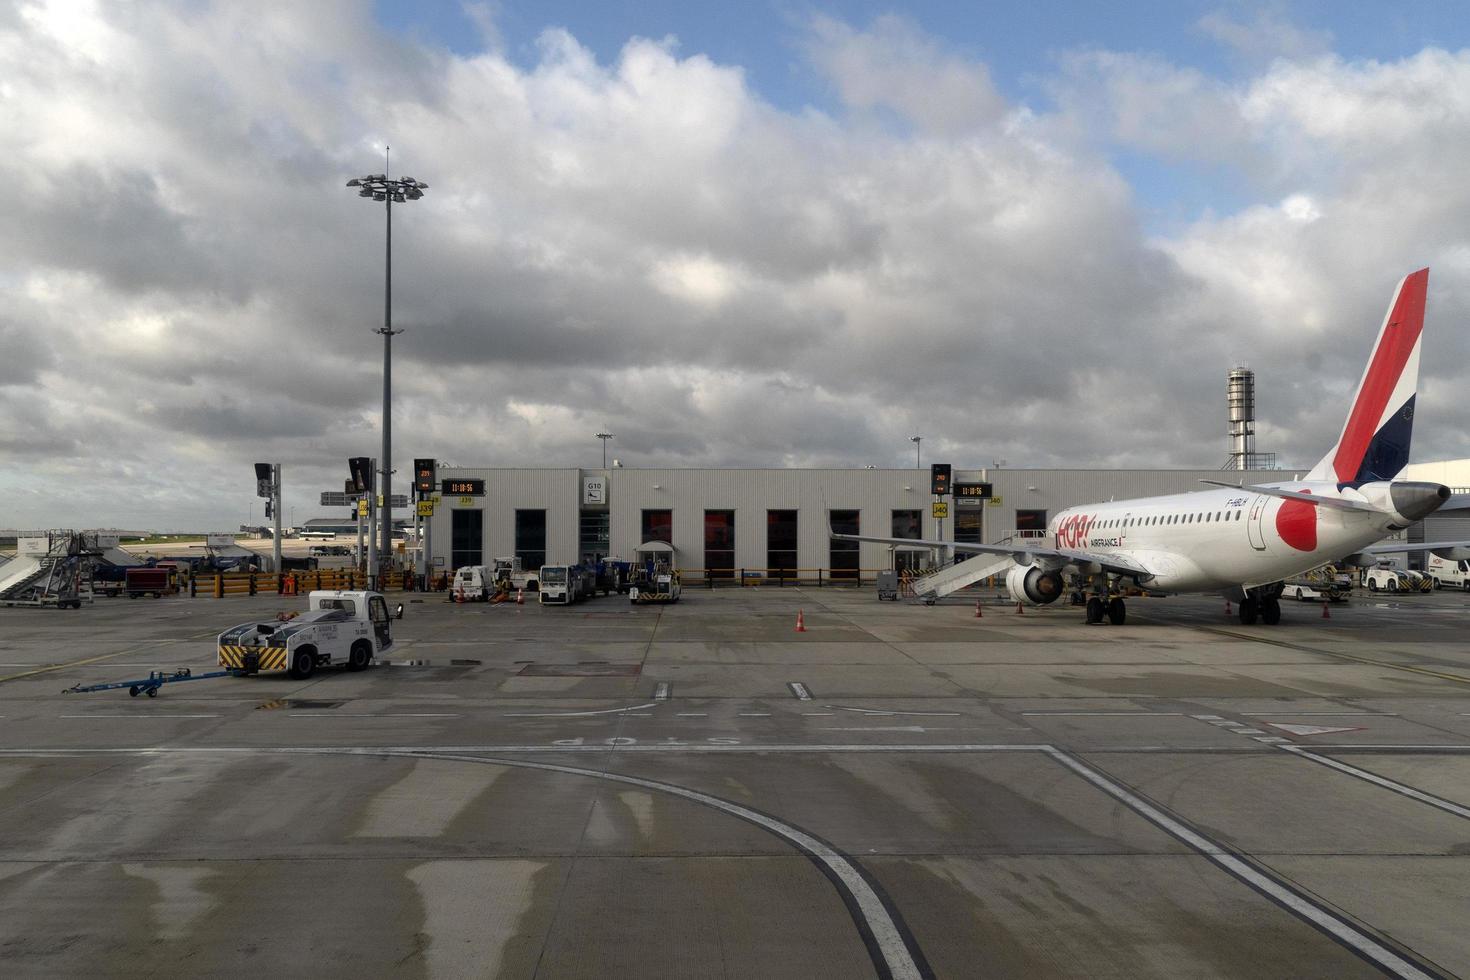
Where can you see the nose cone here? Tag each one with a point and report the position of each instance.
(1415, 500)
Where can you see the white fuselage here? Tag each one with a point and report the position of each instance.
(1219, 539)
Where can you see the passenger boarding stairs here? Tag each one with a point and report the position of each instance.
(951, 578)
(49, 578)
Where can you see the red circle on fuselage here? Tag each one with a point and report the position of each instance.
(1296, 522)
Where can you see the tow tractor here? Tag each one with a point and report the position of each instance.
(350, 628)
(656, 581)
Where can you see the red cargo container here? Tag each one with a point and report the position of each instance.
(147, 581)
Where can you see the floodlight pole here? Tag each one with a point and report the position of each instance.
(916, 440)
(604, 436)
(380, 187)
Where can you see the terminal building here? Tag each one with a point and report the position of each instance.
(733, 523)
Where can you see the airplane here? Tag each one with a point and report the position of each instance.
(1243, 541)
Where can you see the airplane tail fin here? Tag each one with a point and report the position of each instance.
(1374, 444)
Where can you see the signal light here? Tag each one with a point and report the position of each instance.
(939, 474)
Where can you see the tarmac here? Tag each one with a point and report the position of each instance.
(698, 790)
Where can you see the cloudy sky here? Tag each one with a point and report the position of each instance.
(767, 234)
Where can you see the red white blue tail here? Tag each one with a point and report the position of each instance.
(1374, 444)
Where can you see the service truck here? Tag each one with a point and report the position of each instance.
(351, 628)
(511, 571)
(1449, 573)
(562, 585)
(472, 583)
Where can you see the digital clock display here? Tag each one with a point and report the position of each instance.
(973, 490)
(463, 488)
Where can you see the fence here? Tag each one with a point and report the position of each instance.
(229, 584)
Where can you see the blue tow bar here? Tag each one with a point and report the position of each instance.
(155, 679)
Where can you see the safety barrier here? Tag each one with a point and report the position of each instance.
(286, 584)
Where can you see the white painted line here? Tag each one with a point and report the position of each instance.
(692, 714)
(1323, 714)
(627, 745)
(1284, 895)
(359, 714)
(754, 714)
(1247, 731)
(1207, 717)
(816, 714)
(799, 691)
(139, 714)
(661, 691)
(880, 728)
(1272, 739)
(1106, 714)
(882, 711)
(1402, 789)
(872, 913)
(577, 714)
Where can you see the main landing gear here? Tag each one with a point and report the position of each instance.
(1266, 608)
(1114, 609)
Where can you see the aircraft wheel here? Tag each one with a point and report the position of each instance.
(1249, 610)
(1117, 611)
(1094, 610)
(1270, 612)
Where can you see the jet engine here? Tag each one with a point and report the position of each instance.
(1027, 583)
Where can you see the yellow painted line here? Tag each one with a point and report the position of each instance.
(1441, 675)
(79, 663)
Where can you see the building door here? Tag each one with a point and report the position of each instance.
(843, 555)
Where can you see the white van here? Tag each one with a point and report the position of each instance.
(473, 582)
(1449, 573)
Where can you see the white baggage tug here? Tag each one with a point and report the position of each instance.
(349, 628)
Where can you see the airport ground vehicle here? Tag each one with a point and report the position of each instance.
(1449, 573)
(339, 627)
(565, 584)
(654, 582)
(1385, 578)
(612, 575)
(473, 582)
(510, 570)
(1304, 591)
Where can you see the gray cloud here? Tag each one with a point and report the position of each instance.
(649, 247)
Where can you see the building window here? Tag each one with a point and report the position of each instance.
(531, 538)
(969, 528)
(719, 543)
(843, 555)
(1032, 523)
(781, 543)
(593, 535)
(907, 524)
(658, 525)
(466, 538)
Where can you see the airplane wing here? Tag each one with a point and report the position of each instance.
(1333, 503)
(1400, 547)
(1022, 553)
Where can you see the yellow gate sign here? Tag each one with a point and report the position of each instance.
(362, 508)
(997, 501)
(426, 508)
(941, 508)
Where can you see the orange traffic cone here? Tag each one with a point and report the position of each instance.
(1020, 610)
(1325, 606)
(520, 597)
(800, 621)
(977, 610)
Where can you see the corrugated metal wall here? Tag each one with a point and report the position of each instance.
(751, 492)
